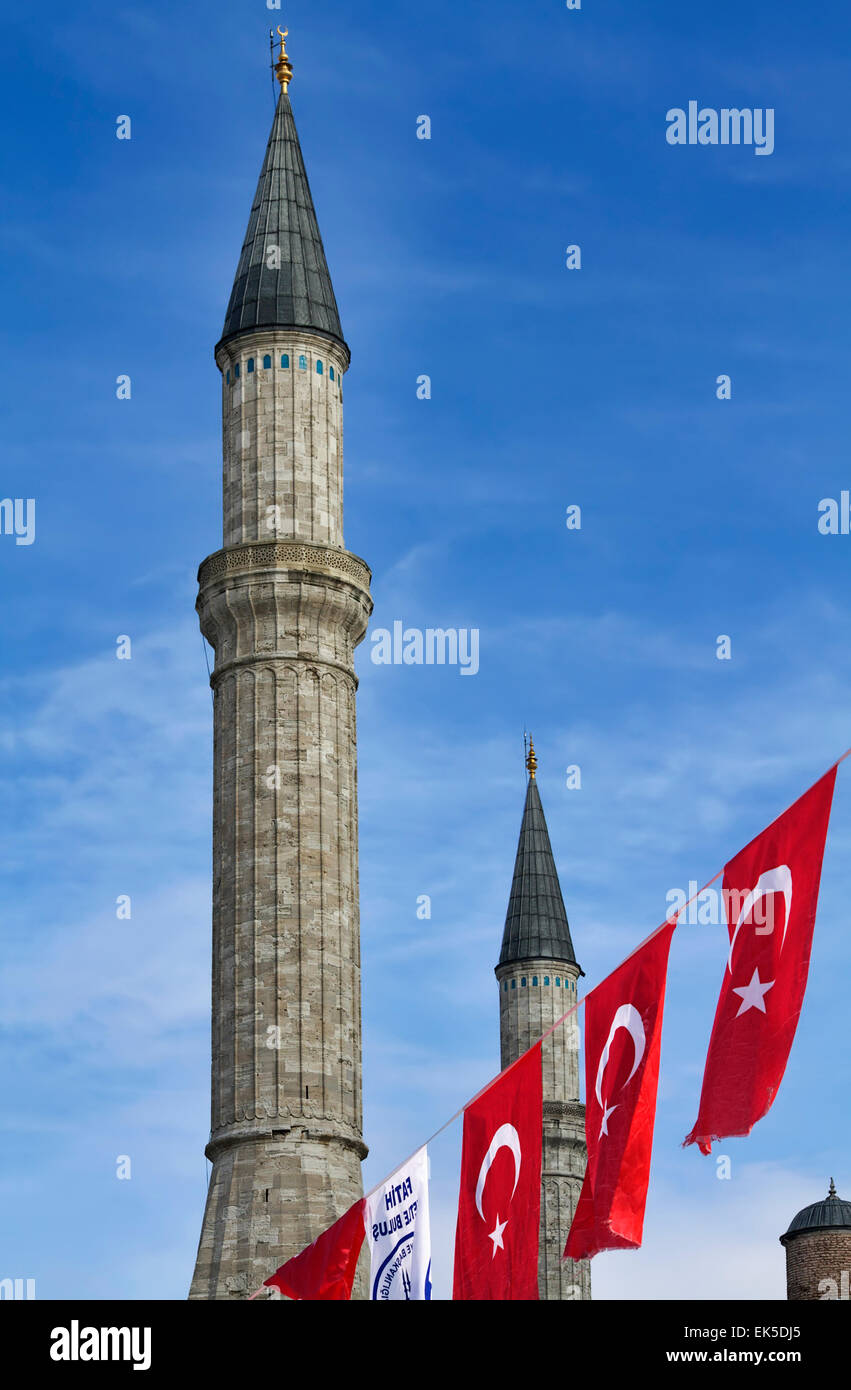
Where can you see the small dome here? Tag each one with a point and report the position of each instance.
(832, 1214)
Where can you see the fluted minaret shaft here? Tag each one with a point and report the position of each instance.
(284, 605)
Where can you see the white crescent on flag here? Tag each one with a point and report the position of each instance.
(777, 880)
(628, 1017)
(506, 1137)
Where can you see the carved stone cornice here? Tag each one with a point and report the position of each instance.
(285, 555)
(317, 1130)
(564, 1110)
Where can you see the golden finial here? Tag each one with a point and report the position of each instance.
(531, 761)
(283, 67)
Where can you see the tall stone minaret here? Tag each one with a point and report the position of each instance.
(284, 605)
(537, 976)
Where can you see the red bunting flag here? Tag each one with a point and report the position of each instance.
(499, 1207)
(326, 1269)
(623, 1036)
(770, 896)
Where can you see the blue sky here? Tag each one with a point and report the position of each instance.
(550, 388)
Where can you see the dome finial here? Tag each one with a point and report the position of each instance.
(531, 761)
(283, 67)
(832, 1189)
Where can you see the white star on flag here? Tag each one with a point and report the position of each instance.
(753, 994)
(607, 1111)
(496, 1235)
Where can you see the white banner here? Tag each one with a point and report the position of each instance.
(397, 1229)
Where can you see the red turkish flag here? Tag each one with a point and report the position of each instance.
(623, 1037)
(770, 894)
(326, 1269)
(499, 1207)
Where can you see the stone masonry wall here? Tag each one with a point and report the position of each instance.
(813, 1256)
(282, 438)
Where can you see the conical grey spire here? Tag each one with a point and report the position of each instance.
(536, 925)
(282, 279)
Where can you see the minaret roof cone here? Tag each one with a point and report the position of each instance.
(282, 279)
(536, 925)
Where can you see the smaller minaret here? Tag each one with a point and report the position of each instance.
(538, 978)
(818, 1251)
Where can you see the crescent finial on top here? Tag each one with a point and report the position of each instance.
(283, 67)
(531, 760)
